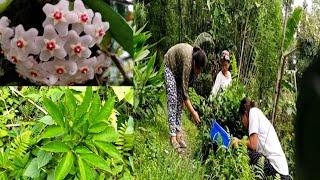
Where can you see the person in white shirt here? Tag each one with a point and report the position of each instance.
(223, 79)
(263, 140)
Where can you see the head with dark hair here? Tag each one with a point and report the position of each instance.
(245, 105)
(199, 58)
(225, 62)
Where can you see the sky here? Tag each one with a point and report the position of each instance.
(300, 2)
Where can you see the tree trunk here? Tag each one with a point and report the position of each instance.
(281, 66)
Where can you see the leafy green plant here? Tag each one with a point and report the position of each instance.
(148, 78)
(229, 164)
(78, 138)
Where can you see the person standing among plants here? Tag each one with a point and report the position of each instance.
(223, 79)
(263, 140)
(182, 64)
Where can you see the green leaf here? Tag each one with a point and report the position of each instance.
(105, 111)
(99, 127)
(95, 107)
(130, 128)
(32, 169)
(119, 28)
(3, 133)
(43, 158)
(121, 91)
(82, 109)
(82, 169)
(64, 166)
(4, 4)
(109, 148)
(129, 97)
(96, 161)
(55, 146)
(82, 150)
(53, 111)
(52, 131)
(47, 120)
(70, 102)
(109, 135)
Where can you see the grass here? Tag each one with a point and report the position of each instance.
(154, 156)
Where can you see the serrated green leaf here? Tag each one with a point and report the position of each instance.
(64, 166)
(109, 148)
(55, 146)
(105, 111)
(96, 161)
(83, 108)
(54, 111)
(43, 158)
(108, 135)
(70, 102)
(82, 150)
(99, 127)
(95, 107)
(47, 120)
(52, 131)
(32, 169)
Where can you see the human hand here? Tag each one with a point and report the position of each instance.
(196, 117)
(235, 142)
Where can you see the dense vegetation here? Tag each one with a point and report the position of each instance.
(271, 44)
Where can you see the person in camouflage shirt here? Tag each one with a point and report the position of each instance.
(182, 64)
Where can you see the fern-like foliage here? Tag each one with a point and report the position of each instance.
(126, 138)
(20, 145)
(258, 169)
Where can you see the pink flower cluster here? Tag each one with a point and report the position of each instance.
(62, 55)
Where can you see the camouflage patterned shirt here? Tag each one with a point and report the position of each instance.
(179, 60)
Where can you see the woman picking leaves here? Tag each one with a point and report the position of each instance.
(263, 140)
(182, 64)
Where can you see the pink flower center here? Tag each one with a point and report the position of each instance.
(57, 15)
(77, 49)
(20, 44)
(101, 33)
(1, 52)
(14, 59)
(51, 46)
(84, 18)
(34, 74)
(84, 70)
(60, 70)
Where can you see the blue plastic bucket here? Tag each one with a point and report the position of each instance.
(216, 131)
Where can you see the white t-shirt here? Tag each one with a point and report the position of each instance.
(221, 82)
(269, 144)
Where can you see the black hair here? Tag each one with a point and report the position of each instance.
(245, 105)
(199, 57)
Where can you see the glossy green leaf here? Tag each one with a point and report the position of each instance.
(108, 135)
(83, 108)
(95, 107)
(47, 120)
(119, 28)
(64, 166)
(99, 127)
(4, 4)
(105, 111)
(82, 150)
(32, 170)
(70, 102)
(54, 111)
(53, 131)
(96, 161)
(43, 158)
(84, 170)
(55, 146)
(109, 148)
